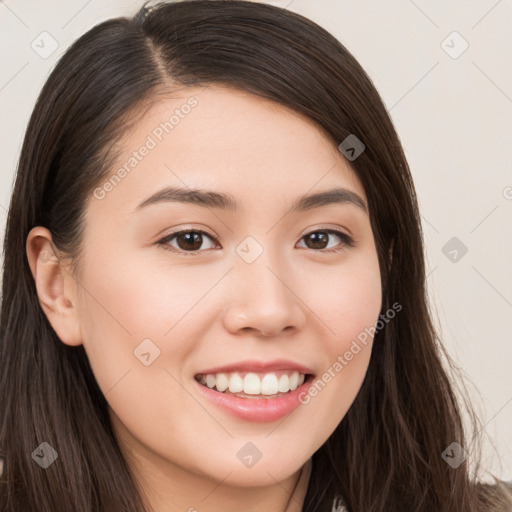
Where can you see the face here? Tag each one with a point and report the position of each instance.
(259, 283)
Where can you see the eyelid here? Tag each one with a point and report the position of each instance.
(348, 239)
(187, 229)
(166, 238)
(328, 227)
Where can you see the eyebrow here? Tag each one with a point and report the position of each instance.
(224, 201)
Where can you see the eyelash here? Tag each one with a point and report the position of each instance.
(347, 241)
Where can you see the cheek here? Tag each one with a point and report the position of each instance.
(355, 311)
(146, 298)
(130, 301)
(347, 299)
(348, 305)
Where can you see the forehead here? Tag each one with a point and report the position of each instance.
(228, 140)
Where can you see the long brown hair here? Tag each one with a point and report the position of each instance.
(385, 455)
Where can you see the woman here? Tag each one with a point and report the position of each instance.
(288, 364)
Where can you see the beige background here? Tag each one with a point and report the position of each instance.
(453, 113)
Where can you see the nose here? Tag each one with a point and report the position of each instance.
(266, 299)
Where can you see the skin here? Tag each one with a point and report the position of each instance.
(295, 301)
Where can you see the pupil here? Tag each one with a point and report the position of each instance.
(319, 237)
(188, 237)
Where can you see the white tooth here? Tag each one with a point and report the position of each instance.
(222, 382)
(294, 381)
(252, 384)
(210, 380)
(269, 384)
(236, 383)
(284, 383)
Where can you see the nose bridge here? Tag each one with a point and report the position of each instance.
(261, 264)
(264, 297)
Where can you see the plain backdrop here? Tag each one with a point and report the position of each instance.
(443, 69)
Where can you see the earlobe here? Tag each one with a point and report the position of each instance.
(55, 286)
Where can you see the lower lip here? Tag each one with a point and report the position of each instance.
(257, 410)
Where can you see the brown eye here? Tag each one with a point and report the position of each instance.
(188, 241)
(319, 240)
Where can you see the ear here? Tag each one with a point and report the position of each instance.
(55, 285)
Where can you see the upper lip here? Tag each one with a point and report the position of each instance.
(259, 366)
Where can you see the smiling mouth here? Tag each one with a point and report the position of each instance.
(254, 385)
